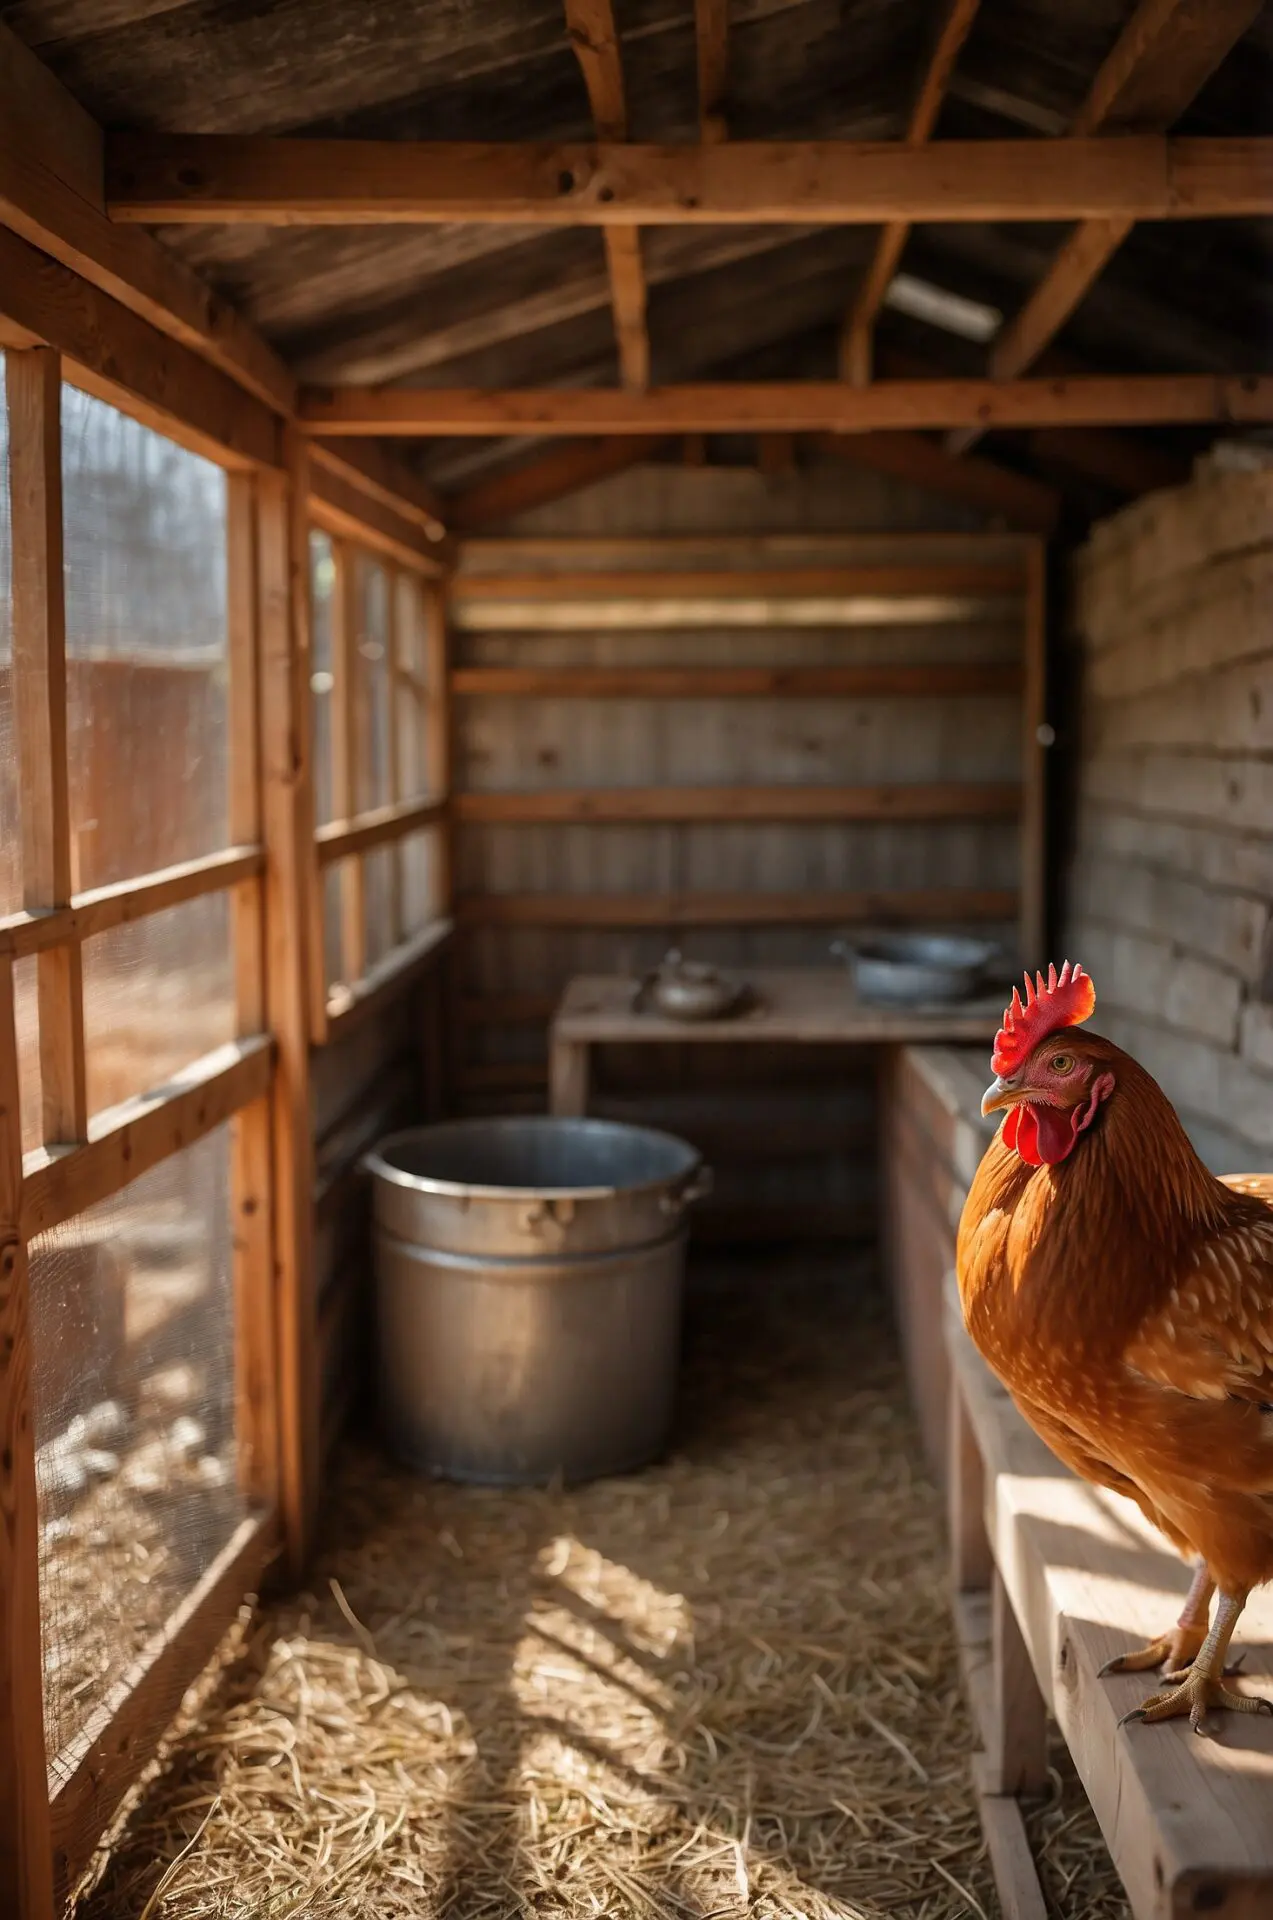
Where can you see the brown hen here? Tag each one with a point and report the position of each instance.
(1124, 1296)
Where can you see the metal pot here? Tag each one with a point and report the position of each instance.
(911, 969)
(688, 990)
(528, 1282)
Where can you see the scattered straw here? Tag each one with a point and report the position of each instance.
(724, 1687)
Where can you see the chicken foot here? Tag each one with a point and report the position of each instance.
(1202, 1687)
(1177, 1649)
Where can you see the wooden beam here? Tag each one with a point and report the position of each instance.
(347, 511)
(52, 172)
(34, 396)
(1033, 917)
(809, 406)
(595, 38)
(127, 1140)
(221, 178)
(1114, 459)
(1013, 497)
(382, 827)
(732, 683)
(376, 471)
(1164, 56)
(711, 40)
(546, 476)
(859, 327)
(127, 901)
(944, 800)
(290, 925)
(26, 1847)
(113, 353)
(734, 909)
(744, 583)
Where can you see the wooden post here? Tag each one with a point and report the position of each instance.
(439, 735)
(26, 1847)
(568, 1077)
(1034, 761)
(971, 1561)
(255, 1358)
(1018, 1746)
(394, 683)
(346, 728)
(34, 383)
(283, 559)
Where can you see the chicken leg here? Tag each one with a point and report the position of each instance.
(1203, 1685)
(1177, 1649)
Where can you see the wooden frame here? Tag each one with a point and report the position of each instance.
(807, 406)
(296, 182)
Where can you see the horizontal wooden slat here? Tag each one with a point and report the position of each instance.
(807, 406)
(342, 838)
(113, 353)
(91, 1778)
(128, 900)
(733, 909)
(339, 506)
(486, 555)
(508, 1009)
(126, 1141)
(745, 583)
(716, 683)
(348, 1005)
(298, 182)
(376, 471)
(943, 800)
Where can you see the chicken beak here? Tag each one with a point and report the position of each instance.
(1000, 1093)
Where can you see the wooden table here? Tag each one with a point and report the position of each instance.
(795, 1006)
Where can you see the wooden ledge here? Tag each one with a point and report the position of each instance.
(1189, 1823)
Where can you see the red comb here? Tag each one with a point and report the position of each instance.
(1062, 1000)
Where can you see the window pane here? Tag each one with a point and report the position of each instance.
(147, 657)
(133, 1376)
(157, 994)
(373, 667)
(322, 573)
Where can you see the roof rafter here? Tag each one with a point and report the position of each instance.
(1160, 62)
(549, 476)
(859, 326)
(808, 406)
(595, 39)
(232, 179)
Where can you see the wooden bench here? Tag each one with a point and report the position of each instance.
(1052, 1577)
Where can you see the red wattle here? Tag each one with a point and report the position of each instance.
(1043, 1136)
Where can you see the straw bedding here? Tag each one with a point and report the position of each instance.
(724, 1687)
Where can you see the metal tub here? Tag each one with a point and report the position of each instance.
(528, 1283)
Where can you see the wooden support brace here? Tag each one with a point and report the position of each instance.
(34, 384)
(1018, 1746)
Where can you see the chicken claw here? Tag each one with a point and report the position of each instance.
(1197, 1692)
(1176, 1651)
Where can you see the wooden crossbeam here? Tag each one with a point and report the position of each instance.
(1161, 60)
(753, 909)
(943, 800)
(939, 681)
(810, 406)
(711, 39)
(859, 326)
(228, 178)
(595, 38)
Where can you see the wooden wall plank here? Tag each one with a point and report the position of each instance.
(736, 683)
(729, 909)
(34, 391)
(26, 1855)
(940, 800)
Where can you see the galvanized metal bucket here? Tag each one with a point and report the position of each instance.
(528, 1281)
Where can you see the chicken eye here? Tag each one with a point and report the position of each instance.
(1062, 1063)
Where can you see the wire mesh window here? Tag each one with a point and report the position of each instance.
(133, 1382)
(374, 695)
(147, 717)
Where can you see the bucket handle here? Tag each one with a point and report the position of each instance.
(696, 1187)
